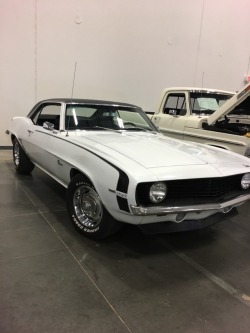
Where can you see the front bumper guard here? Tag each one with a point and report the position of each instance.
(223, 207)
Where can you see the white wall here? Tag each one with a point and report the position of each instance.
(125, 50)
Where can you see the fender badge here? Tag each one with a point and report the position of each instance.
(121, 194)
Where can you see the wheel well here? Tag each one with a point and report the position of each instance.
(74, 172)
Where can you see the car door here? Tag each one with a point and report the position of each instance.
(42, 135)
(172, 118)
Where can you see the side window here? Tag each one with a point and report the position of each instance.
(50, 113)
(176, 102)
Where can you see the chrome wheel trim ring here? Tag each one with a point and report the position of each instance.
(16, 154)
(87, 206)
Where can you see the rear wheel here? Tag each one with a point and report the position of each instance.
(22, 163)
(86, 210)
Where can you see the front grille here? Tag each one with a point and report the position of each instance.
(195, 190)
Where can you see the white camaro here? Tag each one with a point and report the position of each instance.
(117, 167)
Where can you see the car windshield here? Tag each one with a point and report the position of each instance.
(206, 103)
(84, 117)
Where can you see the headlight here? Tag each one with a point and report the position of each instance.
(157, 192)
(245, 181)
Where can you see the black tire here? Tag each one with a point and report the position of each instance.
(87, 212)
(22, 163)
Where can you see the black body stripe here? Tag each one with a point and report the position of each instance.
(123, 204)
(123, 180)
(122, 186)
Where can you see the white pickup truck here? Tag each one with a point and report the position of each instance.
(213, 117)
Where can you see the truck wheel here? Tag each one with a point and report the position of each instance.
(86, 210)
(22, 163)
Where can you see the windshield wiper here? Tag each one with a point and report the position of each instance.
(107, 129)
(138, 129)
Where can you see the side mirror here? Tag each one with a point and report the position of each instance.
(49, 126)
(173, 113)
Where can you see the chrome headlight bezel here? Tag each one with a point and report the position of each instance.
(245, 181)
(157, 192)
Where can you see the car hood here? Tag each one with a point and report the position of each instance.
(229, 105)
(152, 150)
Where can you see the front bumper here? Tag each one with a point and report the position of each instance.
(221, 207)
(189, 225)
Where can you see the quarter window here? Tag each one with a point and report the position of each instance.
(49, 113)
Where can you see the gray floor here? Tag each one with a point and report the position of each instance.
(54, 280)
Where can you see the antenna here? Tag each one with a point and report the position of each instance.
(202, 80)
(72, 92)
(73, 85)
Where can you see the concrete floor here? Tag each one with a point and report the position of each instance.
(54, 280)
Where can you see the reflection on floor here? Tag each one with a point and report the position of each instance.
(54, 280)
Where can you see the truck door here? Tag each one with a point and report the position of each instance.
(171, 118)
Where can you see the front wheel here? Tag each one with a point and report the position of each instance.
(22, 163)
(86, 210)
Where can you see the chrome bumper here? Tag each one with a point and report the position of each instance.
(223, 207)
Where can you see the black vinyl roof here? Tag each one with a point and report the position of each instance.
(85, 101)
(89, 102)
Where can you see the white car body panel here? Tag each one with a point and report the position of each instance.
(142, 156)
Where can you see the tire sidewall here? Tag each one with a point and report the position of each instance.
(15, 144)
(104, 227)
(25, 166)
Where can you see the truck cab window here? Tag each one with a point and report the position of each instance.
(177, 103)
